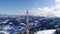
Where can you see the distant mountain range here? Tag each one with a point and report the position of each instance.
(36, 23)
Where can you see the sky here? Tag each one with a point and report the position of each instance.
(23, 4)
(35, 7)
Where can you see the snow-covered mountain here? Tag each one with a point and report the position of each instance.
(12, 25)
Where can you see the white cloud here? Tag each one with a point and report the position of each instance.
(41, 11)
(58, 0)
(57, 8)
(46, 11)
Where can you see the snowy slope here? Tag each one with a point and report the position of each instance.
(46, 32)
(4, 32)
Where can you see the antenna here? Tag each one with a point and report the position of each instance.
(27, 22)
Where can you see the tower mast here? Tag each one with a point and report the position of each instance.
(27, 23)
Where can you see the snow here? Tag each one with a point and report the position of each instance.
(7, 27)
(46, 32)
(4, 32)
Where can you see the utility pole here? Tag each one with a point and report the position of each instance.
(27, 22)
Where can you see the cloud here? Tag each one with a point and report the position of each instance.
(58, 0)
(41, 12)
(57, 8)
(46, 11)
